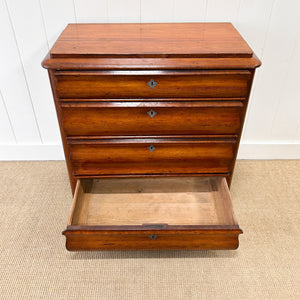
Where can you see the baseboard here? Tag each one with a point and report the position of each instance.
(269, 151)
(55, 152)
(31, 152)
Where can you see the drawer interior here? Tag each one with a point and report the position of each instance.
(142, 202)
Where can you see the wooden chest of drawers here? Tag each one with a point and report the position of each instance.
(151, 117)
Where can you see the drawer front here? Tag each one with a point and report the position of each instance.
(151, 120)
(152, 157)
(119, 85)
(97, 240)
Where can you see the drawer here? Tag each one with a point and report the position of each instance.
(152, 213)
(135, 84)
(117, 118)
(151, 156)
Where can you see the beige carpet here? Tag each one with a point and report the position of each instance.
(34, 264)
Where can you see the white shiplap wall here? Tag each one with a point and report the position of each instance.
(28, 29)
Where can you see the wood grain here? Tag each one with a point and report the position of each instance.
(135, 84)
(134, 156)
(151, 40)
(171, 119)
(150, 63)
(172, 201)
(172, 240)
(62, 133)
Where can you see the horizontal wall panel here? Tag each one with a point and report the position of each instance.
(157, 11)
(189, 10)
(271, 84)
(57, 14)
(29, 28)
(222, 11)
(287, 116)
(120, 11)
(253, 22)
(6, 130)
(33, 46)
(91, 11)
(13, 84)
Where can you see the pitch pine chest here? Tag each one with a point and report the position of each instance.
(151, 118)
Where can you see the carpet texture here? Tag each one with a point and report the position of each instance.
(34, 264)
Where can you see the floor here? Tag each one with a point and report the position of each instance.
(35, 201)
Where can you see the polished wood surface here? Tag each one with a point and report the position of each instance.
(195, 63)
(62, 132)
(171, 240)
(181, 212)
(136, 157)
(115, 124)
(172, 46)
(151, 119)
(151, 40)
(135, 84)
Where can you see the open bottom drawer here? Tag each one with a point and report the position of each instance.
(152, 213)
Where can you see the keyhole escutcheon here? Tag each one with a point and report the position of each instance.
(152, 113)
(152, 83)
(151, 148)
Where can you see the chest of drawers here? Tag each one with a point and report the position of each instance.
(151, 117)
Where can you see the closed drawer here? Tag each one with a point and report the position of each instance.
(134, 84)
(152, 118)
(151, 156)
(152, 213)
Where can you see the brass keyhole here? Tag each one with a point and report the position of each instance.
(152, 236)
(152, 83)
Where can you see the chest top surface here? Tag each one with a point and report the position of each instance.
(151, 40)
(156, 46)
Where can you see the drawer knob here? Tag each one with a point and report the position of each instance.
(152, 83)
(152, 113)
(151, 148)
(152, 236)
